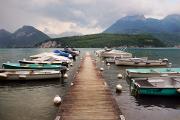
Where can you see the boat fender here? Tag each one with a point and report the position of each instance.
(101, 69)
(170, 65)
(178, 90)
(72, 83)
(118, 88)
(119, 76)
(57, 100)
(71, 64)
(65, 75)
(165, 60)
(122, 117)
(108, 64)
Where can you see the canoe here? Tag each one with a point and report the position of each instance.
(139, 62)
(11, 75)
(161, 86)
(31, 66)
(152, 72)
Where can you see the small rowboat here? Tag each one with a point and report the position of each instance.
(162, 86)
(152, 72)
(117, 59)
(43, 62)
(115, 53)
(29, 74)
(139, 62)
(31, 66)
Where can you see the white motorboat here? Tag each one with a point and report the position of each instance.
(47, 58)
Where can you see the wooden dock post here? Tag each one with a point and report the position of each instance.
(89, 98)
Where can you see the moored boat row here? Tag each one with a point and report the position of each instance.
(148, 80)
(122, 58)
(42, 66)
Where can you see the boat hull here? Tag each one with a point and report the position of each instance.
(139, 64)
(29, 75)
(154, 91)
(149, 89)
(32, 66)
(152, 72)
(36, 62)
(158, 91)
(145, 75)
(120, 55)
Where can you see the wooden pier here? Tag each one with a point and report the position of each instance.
(89, 98)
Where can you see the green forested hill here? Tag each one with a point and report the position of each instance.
(102, 40)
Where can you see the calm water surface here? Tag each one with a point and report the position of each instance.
(144, 108)
(33, 100)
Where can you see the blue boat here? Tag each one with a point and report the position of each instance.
(62, 53)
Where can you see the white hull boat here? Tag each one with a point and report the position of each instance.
(116, 53)
(19, 75)
(140, 62)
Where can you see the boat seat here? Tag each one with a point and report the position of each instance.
(144, 83)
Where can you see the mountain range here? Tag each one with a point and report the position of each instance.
(167, 29)
(27, 36)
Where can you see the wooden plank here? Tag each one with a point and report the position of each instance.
(89, 98)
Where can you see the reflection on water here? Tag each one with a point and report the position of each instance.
(33, 100)
(30, 100)
(160, 101)
(143, 107)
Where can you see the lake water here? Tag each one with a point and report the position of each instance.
(34, 100)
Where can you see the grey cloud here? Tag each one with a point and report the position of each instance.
(15, 13)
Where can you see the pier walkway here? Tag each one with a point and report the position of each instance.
(89, 98)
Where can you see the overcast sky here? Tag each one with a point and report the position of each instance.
(81, 16)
